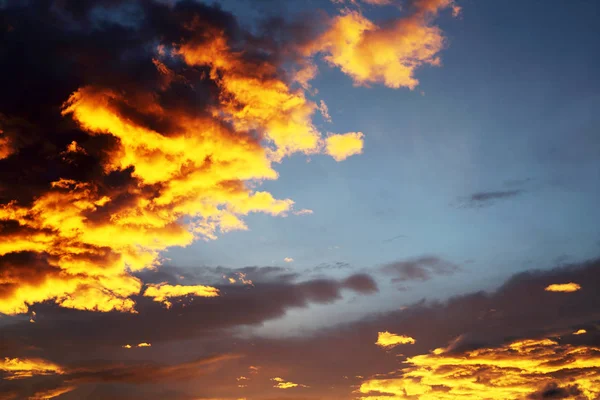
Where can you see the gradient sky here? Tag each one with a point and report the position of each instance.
(177, 222)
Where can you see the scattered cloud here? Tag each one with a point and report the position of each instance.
(525, 367)
(281, 383)
(580, 332)
(288, 259)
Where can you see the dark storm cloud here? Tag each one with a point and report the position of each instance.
(419, 269)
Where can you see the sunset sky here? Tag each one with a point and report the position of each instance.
(301, 200)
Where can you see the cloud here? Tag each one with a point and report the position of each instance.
(281, 383)
(342, 146)
(419, 269)
(15, 368)
(361, 283)
(518, 310)
(389, 340)
(324, 110)
(163, 291)
(506, 372)
(304, 211)
(142, 133)
(563, 287)
(482, 199)
(384, 54)
(288, 259)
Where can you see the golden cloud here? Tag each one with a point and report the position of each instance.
(515, 371)
(389, 340)
(162, 292)
(389, 55)
(563, 287)
(345, 145)
(283, 384)
(18, 368)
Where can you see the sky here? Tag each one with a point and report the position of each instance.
(320, 199)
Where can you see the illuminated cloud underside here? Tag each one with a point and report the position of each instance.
(389, 340)
(514, 371)
(563, 287)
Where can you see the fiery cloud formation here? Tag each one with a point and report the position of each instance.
(521, 369)
(389, 340)
(563, 287)
(389, 55)
(142, 170)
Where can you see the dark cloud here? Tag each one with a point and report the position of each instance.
(483, 199)
(554, 391)
(518, 309)
(361, 283)
(419, 269)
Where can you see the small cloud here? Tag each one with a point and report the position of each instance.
(342, 146)
(283, 384)
(304, 211)
(419, 269)
(144, 344)
(483, 199)
(388, 340)
(563, 287)
(580, 332)
(127, 346)
(324, 111)
(288, 259)
(253, 369)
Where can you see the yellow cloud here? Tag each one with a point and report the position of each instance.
(342, 146)
(162, 292)
(513, 371)
(389, 340)
(563, 287)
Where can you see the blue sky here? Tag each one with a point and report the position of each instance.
(511, 108)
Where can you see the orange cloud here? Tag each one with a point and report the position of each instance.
(18, 368)
(580, 332)
(517, 370)
(389, 340)
(563, 287)
(344, 145)
(162, 292)
(389, 55)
